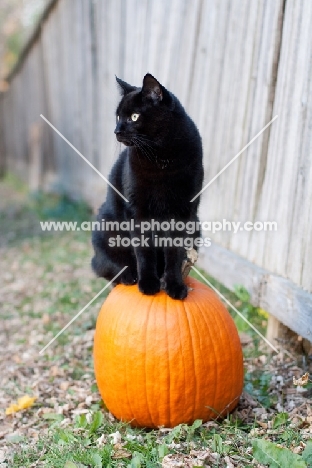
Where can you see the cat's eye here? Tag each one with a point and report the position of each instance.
(117, 117)
(134, 117)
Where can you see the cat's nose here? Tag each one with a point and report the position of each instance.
(118, 129)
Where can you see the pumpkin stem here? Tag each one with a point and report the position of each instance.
(188, 262)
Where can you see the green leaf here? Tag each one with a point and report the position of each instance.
(94, 388)
(81, 420)
(196, 424)
(65, 437)
(217, 444)
(136, 462)
(280, 419)
(241, 324)
(175, 433)
(96, 421)
(15, 438)
(242, 293)
(53, 416)
(97, 459)
(307, 453)
(95, 407)
(162, 451)
(267, 453)
(70, 464)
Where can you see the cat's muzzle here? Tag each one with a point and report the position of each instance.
(122, 139)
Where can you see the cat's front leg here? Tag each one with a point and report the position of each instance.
(174, 285)
(149, 285)
(149, 282)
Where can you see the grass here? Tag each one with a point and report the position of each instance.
(92, 442)
(96, 441)
(60, 265)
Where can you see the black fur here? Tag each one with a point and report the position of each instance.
(159, 172)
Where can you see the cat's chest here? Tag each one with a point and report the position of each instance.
(151, 190)
(150, 183)
(156, 192)
(156, 200)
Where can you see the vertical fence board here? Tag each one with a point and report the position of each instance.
(252, 163)
(286, 193)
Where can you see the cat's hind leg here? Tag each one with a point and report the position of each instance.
(108, 262)
(107, 268)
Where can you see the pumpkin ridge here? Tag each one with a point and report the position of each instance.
(148, 313)
(156, 320)
(211, 332)
(116, 323)
(219, 368)
(205, 319)
(168, 366)
(107, 350)
(226, 328)
(232, 353)
(182, 357)
(130, 318)
(197, 318)
(193, 357)
(124, 357)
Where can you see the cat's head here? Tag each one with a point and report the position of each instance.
(143, 113)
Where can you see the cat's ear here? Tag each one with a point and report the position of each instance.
(151, 89)
(124, 87)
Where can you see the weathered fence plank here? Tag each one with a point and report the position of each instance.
(289, 303)
(286, 191)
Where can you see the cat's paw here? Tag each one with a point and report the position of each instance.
(149, 286)
(176, 290)
(128, 278)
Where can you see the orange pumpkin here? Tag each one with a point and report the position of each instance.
(162, 362)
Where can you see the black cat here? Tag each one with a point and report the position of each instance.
(159, 172)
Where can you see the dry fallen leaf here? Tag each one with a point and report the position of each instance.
(22, 403)
(245, 339)
(116, 437)
(101, 440)
(184, 461)
(121, 453)
(2, 456)
(201, 454)
(55, 371)
(46, 319)
(64, 385)
(228, 462)
(297, 449)
(302, 380)
(263, 424)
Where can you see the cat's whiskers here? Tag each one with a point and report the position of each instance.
(147, 144)
(144, 149)
(137, 147)
(138, 154)
(149, 150)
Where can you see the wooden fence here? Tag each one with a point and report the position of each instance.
(234, 64)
